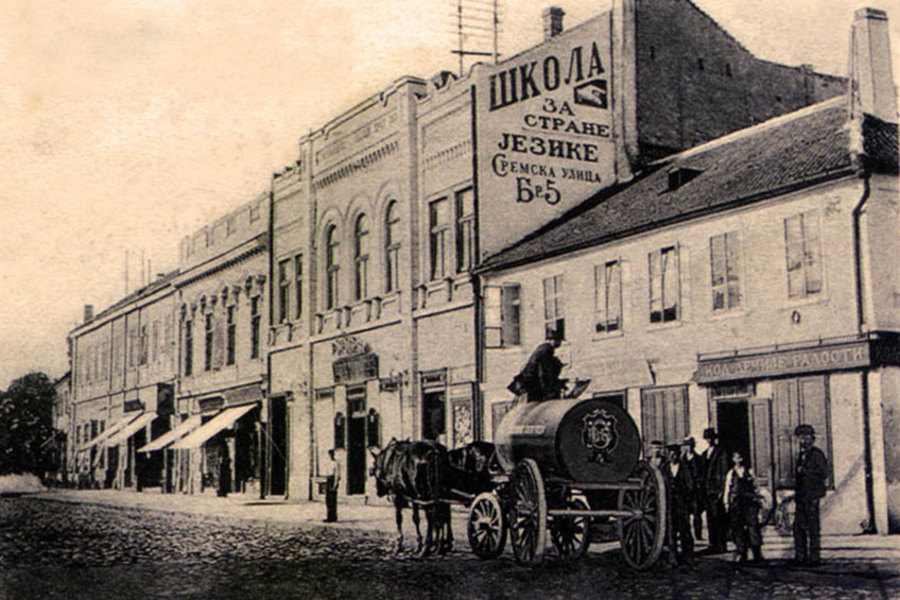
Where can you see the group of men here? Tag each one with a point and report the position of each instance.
(723, 487)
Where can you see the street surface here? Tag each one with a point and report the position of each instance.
(52, 549)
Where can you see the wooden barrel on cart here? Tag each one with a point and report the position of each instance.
(586, 440)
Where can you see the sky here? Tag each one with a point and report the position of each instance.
(128, 124)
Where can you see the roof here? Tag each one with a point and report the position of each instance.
(789, 152)
(154, 286)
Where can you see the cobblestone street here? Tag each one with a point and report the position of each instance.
(57, 550)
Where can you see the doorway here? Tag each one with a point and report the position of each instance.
(356, 440)
(277, 452)
(733, 426)
(433, 415)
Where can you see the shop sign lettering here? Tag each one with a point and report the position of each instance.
(784, 363)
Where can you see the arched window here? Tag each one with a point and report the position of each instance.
(361, 256)
(331, 267)
(391, 248)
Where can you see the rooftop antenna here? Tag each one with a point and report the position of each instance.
(126, 271)
(477, 24)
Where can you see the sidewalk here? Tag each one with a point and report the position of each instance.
(380, 518)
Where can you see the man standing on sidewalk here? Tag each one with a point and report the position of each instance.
(714, 484)
(812, 471)
(332, 481)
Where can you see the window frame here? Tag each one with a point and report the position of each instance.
(555, 319)
(391, 248)
(808, 220)
(284, 290)
(730, 265)
(255, 321)
(602, 319)
(437, 237)
(231, 334)
(465, 229)
(188, 347)
(361, 237)
(660, 284)
(332, 267)
(208, 336)
(298, 286)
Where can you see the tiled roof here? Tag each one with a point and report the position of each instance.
(154, 286)
(786, 153)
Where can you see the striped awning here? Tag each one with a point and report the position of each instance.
(130, 429)
(223, 420)
(109, 432)
(184, 428)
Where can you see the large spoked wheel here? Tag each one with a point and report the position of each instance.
(487, 527)
(528, 516)
(641, 533)
(571, 535)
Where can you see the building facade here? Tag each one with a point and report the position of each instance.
(123, 376)
(745, 284)
(377, 317)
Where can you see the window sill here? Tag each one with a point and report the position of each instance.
(663, 326)
(724, 315)
(599, 337)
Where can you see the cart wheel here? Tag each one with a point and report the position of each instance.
(571, 535)
(641, 534)
(487, 527)
(528, 516)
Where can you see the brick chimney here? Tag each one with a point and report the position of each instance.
(552, 18)
(872, 89)
(88, 313)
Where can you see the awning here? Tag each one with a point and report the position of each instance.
(109, 431)
(172, 435)
(130, 429)
(223, 420)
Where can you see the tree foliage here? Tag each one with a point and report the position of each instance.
(26, 425)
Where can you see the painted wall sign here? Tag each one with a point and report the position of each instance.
(545, 131)
(806, 360)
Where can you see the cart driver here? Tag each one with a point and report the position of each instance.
(539, 378)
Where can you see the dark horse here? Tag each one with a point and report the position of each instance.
(413, 473)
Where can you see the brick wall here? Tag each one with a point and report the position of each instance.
(696, 83)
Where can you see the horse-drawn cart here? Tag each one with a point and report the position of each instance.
(563, 464)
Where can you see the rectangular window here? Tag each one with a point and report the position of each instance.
(188, 347)
(664, 285)
(465, 230)
(154, 344)
(254, 327)
(724, 260)
(608, 297)
(664, 414)
(438, 225)
(554, 318)
(298, 287)
(803, 252)
(142, 355)
(284, 290)
(208, 355)
(502, 315)
(231, 331)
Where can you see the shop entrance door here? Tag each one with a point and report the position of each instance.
(433, 415)
(278, 450)
(733, 425)
(356, 440)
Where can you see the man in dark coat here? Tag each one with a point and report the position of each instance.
(680, 486)
(696, 464)
(812, 471)
(539, 378)
(714, 487)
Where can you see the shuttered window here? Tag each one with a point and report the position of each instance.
(800, 400)
(664, 414)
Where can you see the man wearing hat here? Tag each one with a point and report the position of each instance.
(539, 378)
(714, 488)
(693, 461)
(812, 471)
(680, 490)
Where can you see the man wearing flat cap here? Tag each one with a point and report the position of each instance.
(812, 471)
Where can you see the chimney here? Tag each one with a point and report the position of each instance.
(872, 88)
(88, 313)
(552, 18)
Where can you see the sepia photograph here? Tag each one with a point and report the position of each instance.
(449, 299)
